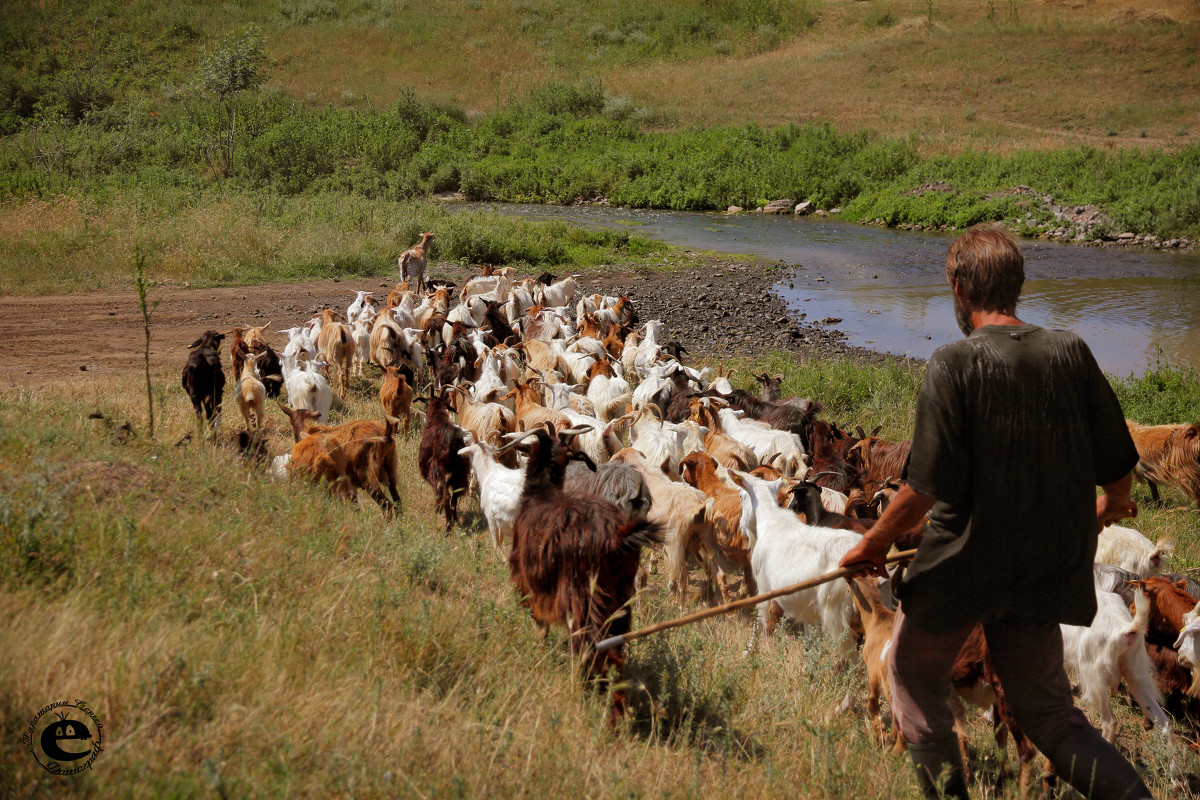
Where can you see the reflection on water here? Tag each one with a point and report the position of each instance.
(888, 287)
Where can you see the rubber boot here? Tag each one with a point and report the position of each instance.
(939, 770)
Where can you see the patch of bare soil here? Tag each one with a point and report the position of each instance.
(724, 307)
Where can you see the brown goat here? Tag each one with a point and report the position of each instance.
(348, 457)
(1168, 454)
(335, 346)
(724, 512)
(396, 395)
(881, 461)
(413, 262)
(438, 459)
(575, 558)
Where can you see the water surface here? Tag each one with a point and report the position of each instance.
(888, 287)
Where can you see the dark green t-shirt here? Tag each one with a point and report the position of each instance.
(1015, 427)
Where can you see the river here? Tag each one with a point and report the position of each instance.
(1134, 306)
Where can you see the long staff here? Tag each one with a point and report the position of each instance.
(615, 641)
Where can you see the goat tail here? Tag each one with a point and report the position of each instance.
(1141, 618)
(639, 533)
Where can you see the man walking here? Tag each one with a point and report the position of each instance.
(1015, 427)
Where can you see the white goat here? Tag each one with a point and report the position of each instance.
(783, 450)
(561, 293)
(1128, 549)
(299, 349)
(360, 332)
(608, 396)
(361, 308)
(499, 490)
(308, 389)
(1188, 645)
(1113, 648)
(785, 551)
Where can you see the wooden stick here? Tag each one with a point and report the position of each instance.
(616, 641)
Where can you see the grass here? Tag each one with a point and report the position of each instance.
(688, 104)
(222, 239)
(241, 637)
(1043, 75)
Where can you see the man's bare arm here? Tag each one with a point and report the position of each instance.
(907, 509)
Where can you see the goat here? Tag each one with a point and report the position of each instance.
(396, 394)
(438, 459)
(785, 551)
(575, 558)
(680, 511)
(307, 389)
(499, 489)
(561, 293)
(1113, 648)
(827, 446)
(355, 455)
(770, 445)
(251, 394)
(238, 350)
(729, 452)
(1128, 549)
(204, 380)
(881, 461)
(336, 346)
(486, 422)
(360, 308)
(724, 513)
(270, 370)
(620, 484)
(1168, 454)
(413, 262)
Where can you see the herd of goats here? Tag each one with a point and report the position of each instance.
(586, 439)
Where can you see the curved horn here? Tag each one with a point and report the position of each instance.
(575, 431)
(518, 438)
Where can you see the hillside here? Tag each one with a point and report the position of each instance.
(1003, 74)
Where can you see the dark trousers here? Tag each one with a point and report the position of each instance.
(1028, 660)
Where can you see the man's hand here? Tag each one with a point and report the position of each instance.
(1114, 508)
(1116, 504)
(866, 557)
(907, 509)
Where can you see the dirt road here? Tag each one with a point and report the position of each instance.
(725, 307)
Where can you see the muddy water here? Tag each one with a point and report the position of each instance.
(888, 289)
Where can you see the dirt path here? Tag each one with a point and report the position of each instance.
(725, 307)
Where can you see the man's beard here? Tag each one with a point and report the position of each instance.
(963, 318)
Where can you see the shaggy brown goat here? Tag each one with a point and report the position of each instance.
(575, 559)
(438, 460)
(1168, 454)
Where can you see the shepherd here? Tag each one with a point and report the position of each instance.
(1015, 427)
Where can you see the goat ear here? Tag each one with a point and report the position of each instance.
(196, 344)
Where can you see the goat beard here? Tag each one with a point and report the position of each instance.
(963, 318)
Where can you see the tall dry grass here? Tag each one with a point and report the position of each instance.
(240, 637)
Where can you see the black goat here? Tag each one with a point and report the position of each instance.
(204, 379)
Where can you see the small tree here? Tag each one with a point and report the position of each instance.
(142, 286)
(237, 65)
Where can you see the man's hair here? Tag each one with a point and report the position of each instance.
(988, 266)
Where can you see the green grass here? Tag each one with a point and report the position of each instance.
(108, 107)
(238, 238)
(242, 637)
